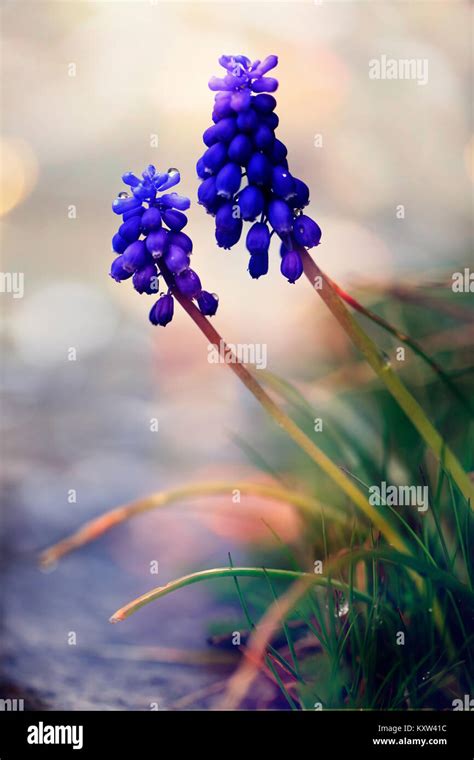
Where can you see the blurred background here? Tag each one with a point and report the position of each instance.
(89, 91)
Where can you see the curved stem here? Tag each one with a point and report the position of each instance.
(232, 572)
(382, 368)
(290, 427)
(95, 528)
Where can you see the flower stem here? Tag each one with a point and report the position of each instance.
(382, 368)
(290, 427)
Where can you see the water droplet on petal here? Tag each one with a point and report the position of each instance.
(123, 195)
(173, 170)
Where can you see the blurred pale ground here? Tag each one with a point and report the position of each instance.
(142, 69)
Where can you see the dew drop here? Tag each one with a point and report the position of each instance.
(173, 171)
(343, 608)
(123, 195)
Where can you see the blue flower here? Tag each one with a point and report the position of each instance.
(306, 231)
(291, 266)
(245, 173)
(162, 311)
(258, 265)
(208, 303)
(150, 243)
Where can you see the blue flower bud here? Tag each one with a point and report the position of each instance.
(258, 265)
(240, 100)
(208, 303)
(278, 152)
(143, 192)
(301, 197)
(264, 137)
(181, 239)
(138, 211)
(264, 103)
(151, 219)
(271, 120)
(259, 170)
(174, 219)
(209, 136)
(146, 280)
(265, 84)
(268, 63)
(176, 259)
(214, 158)
(247, 121)
(226, 238)
(118, 243)
(162, 311)
(240, 149)
(161, 179)
(258, 239)
(201, 169)
(283, 184)
(251, 203)
(222, 107)
(228, 216)
(117, 272)
(291, 266)
(135, 256)
(170, 179)
(280, 216)
(174, 200)
(156, 242)
(121, 205)
(223, 131)
(228, 180)
(232, 62)
(207, 194)
(188, 283)
(130, 179)
(306, 232)
(130, 230)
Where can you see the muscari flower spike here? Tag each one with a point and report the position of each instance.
(241, 143)
(150, 243)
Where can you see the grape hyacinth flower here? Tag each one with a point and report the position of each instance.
(241, 144)
(150, 244)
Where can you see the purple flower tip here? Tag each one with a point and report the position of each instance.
(243, 75)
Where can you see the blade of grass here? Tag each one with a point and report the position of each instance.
(95, 528)
(286, 631)
(251, 624)
(226, 572)
(404, 338)
(382, 368)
